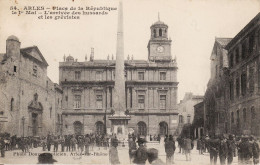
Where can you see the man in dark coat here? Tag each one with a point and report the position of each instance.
(141, 152)
(132, 148)
(223, 150)
(246, 150)
(49, 141)
(169, 149)
(2, 146)
(213, 145)
(231, 149)
(255, 150)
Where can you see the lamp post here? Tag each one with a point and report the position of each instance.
(23, 119)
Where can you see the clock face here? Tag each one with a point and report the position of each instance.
(160, 49)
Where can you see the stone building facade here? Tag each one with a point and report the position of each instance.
(232, 99)
(28, 96)
(216, 96)
(244, 62)
(186, 109)
(150, 88)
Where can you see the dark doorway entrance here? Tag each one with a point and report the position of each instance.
(78, 128)
(34, 124)
(163, 128)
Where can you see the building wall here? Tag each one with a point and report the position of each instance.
(245, 100)
(18, 89)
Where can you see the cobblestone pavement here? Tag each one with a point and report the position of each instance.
(100, 156)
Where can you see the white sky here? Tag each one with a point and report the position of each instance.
(193, 26)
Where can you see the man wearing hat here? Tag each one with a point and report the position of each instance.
(223, 150)
(46, 158)
(152, 155)
(140, 155)
(231, 149)
(132, 148)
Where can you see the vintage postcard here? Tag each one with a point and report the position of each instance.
(129, 82)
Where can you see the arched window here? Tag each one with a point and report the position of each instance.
(12, 104)
(253, 113)
(154, 33)
(160, 32)
(244, 115)
(141, 128)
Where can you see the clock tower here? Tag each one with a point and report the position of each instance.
(159, 46)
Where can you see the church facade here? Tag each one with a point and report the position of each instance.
(150, 90)
(30, 103)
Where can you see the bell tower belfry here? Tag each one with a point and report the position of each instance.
(159, 45)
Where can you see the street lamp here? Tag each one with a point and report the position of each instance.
(23, 118)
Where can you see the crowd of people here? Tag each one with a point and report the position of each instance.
(246, 148)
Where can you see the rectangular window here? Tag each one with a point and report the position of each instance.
(98, 75)
(162, 101)
(99, 100)
(231, 90)
(35, 70)
(162, 75)
(141, 101)
(258, 77)
(77, 101)
(216, 70)
(251, 79)
(238, 119)
(231, 58)
(50, 111)
(237, 87)
(244, 50)
(237, 56)
(243, 84)
(66, 98)
(251, 44)
(140, 75)
(232, 117)
(77, 75)
(14, 68)
(180, 119)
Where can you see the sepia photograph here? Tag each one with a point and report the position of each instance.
(142, 82)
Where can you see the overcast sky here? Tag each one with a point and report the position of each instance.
(193, 26)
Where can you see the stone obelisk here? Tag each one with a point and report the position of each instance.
(119, 119)
(119, 102)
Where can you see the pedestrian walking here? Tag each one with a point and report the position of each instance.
(169, 150)
(231, 145)
(187, 148)
(132, 149)
(55, 144)
(213, 146)
(223, 150)
(87, 144)
(2, 146)
(255, 150)
(113, 153)
(140, 155)
(246, 150)
(49, 141)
